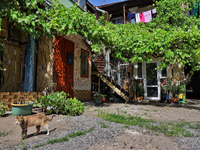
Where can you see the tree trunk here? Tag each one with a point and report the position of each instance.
(187, 79)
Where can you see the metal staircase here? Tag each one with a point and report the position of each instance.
(113, 77)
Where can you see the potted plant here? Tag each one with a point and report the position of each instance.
(103, 100)
(174, 93)
(182, 91)
(172, 88)
(139, 91)
(97, 98)
(22, 107)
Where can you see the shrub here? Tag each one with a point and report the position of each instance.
(59, 103)
(74, 107)
(2, 108)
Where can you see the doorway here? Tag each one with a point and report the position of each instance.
(151, 80)
(64, 65)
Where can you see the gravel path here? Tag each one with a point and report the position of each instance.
(114, 136)
(117, 136)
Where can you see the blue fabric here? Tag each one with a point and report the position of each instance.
(32, 58)
(192, 11)
(29, 64)
(130, 16)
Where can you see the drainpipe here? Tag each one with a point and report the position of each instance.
(124, 13)
(107, 14)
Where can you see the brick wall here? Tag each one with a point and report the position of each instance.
(82, 95)
(10, 97)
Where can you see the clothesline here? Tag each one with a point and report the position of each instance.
(142, 17)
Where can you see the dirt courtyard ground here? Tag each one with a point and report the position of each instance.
(176, 113)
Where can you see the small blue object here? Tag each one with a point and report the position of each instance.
(69, 58)
(167, 96)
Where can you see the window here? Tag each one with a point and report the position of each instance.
(118, 20)
(81, 3)
(84, 63)
(139, 70)
(164, 72)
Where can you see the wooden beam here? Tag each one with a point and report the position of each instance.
(112, 86)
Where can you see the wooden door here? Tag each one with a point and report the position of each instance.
(64, 65)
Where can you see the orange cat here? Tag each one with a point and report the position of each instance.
(33, 120)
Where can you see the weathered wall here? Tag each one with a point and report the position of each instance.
(44, 64)
(13, 62)
(82, 85)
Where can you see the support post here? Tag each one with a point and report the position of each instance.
(118, 66)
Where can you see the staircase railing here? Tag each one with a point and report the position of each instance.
(118, 78)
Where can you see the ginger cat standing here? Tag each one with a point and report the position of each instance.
(33, 120)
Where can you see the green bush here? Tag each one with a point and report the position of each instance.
(59, 103)
(2, 108)
(74, 107)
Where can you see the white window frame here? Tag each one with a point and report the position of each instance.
(78, 2)
(136, 70)
(116, 19)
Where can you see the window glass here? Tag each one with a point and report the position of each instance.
(114, 21)
(119, 21)
(84, 63)
(139, 70)
(164, 72)
(75, 1)
(82, 4)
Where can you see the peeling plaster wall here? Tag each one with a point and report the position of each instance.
(82, 85)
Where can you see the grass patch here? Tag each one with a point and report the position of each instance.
(96, 110)
(66, 138)
(103, 125)
(3, 134)
(126, 126)
(168, 128)
(74, 134)
(126, 105)
(58, 140)
(155, 110)
(146, 110)
(39, 145)
(145, 113)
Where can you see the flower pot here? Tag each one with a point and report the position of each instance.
(174, 100)
(97, 100)
(139, 98)
(22, 109)
(103, 99)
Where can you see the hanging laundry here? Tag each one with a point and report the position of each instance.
(199, 8)
(133, 21)
(142, 19)
(130, 16)
(192, 11)
(188, 13)
(147, 16)
(137, 17)
(154, 11)
(196, 9)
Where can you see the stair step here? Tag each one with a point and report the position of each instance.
(120, 93)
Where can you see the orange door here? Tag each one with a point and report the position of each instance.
(64, 65)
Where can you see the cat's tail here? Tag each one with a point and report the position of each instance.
(51, 118)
